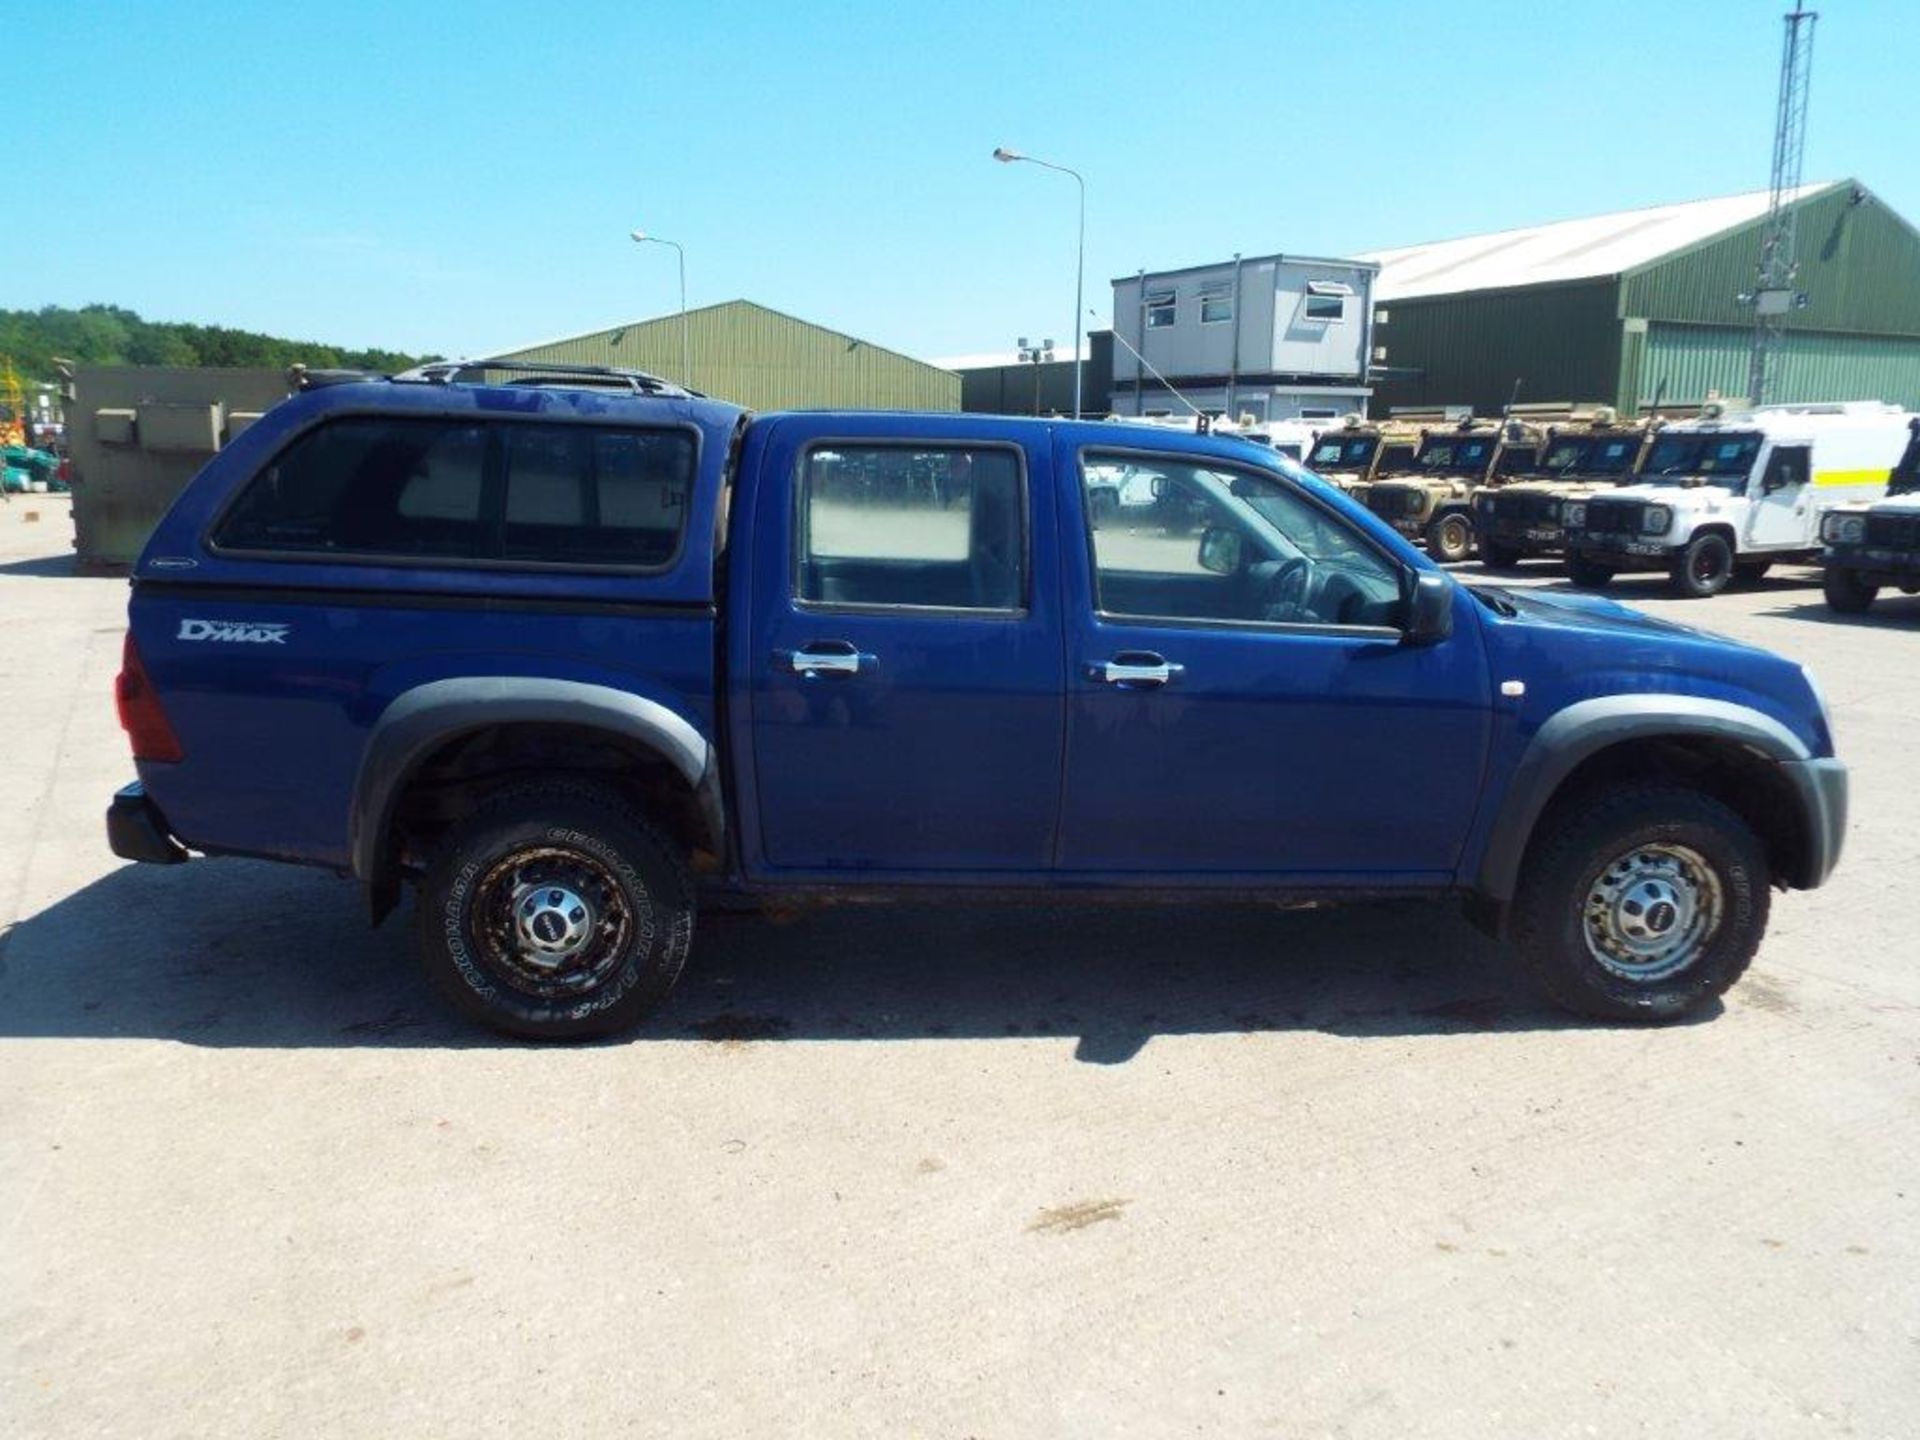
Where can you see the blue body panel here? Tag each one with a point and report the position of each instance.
(972, 748)
(943, 753)
(274, 733)
(1279, 751)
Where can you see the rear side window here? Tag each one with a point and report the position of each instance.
(377, 487)
(368, 486)
(931, 527)
(596, 497)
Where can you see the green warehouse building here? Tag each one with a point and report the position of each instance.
(1610, 309)
(759, 358)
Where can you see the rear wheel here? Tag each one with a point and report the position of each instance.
(555, 912)
(1704, 568)
(1846, 591)
(1641, 903)
(1450, 537)
(1496, 556)
(1587, 572)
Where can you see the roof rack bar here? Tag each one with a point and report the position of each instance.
(444, 372)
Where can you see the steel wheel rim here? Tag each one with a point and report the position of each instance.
(1652, 912)
(1453, 536)
(1705, 570)
(551, 923)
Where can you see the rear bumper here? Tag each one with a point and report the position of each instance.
(1822, 787)
(136, 830)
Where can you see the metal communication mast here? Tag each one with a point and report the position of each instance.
(1773, 294)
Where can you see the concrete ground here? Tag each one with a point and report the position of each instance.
(939, 1173)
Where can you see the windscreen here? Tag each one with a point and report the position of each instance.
(1591, 455)
(1906, 475)
(1455, 454)
(1724, 458)
(1343, 452)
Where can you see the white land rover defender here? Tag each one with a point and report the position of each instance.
(1871, 546)
(1730, 494)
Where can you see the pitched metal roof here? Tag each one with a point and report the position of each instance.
(1565, 249)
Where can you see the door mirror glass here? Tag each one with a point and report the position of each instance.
(1429, 609)
(1221, 550)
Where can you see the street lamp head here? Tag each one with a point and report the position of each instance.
(1006, 156)
(640, 235)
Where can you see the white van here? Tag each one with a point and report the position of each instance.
(1730, 494)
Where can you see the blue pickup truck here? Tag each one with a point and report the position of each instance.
(575, 652)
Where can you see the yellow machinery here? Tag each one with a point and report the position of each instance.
(13, 424)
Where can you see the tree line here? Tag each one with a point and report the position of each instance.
(112, 335)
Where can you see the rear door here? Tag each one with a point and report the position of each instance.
(903, 662)
(1240, 701)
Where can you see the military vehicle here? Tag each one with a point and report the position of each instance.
(1590, 451)
(1878, 544)
(1430, 499)
(1730, 494)
(1354, 451)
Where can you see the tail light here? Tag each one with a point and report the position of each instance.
(140, 713)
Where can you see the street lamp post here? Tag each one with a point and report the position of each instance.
(1009, 157)
(641, 237)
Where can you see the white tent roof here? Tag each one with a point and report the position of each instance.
(1565, 249)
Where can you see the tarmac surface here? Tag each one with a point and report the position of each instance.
(940, 1172)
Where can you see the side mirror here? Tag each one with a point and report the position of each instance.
(1429, 609)
(1158, 487)
(1220, 550)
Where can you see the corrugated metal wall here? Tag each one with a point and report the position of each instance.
(1697, 359)
(1561, 341)
(764, 360)
(1859, 266)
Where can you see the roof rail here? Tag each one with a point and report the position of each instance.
(529, 372)
(301, 377)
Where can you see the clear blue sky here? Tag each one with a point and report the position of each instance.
(462, 176)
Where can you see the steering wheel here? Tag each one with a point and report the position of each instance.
(1284, 592)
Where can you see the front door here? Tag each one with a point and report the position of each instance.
(906, 672)
(1778, 503)
(1240, 701)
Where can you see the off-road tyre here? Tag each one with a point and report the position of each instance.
(1500, 557)
(1586, 572)
(1450, 537)
(1704, 568)
(1846, 592)
(628, 872)
(1584, 837)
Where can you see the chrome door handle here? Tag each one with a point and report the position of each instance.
(816, 660)
(1137, 671)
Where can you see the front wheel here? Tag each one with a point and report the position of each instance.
(555, 912)
(1704, 568)
(1450, 538)
(1641, 903)
(1846, 591)
(1587, 572)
